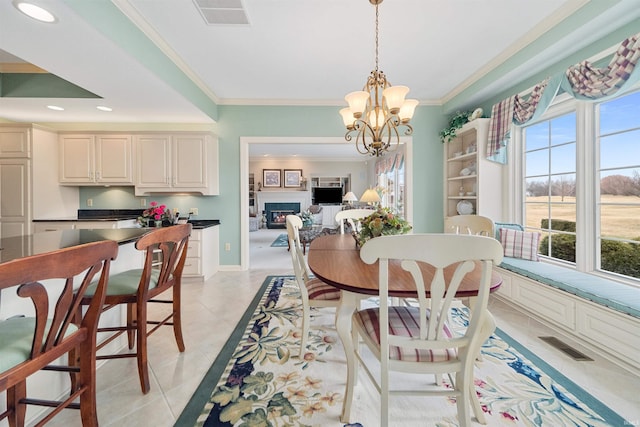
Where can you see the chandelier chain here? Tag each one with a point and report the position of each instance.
(377, 16)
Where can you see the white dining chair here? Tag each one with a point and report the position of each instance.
(469, 224)
(313, 291)
(352, 216)
(418, 339)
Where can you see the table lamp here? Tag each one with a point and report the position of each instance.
(350, 198)
(370, 197)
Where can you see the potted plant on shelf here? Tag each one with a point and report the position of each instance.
(455, 122)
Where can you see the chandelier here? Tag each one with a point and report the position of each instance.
(377, 113)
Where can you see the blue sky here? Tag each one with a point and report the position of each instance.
(619, 151)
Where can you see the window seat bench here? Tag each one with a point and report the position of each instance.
(601, 314)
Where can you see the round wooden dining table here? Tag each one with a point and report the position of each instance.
(336, 261)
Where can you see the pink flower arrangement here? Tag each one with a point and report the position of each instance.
(155, 212)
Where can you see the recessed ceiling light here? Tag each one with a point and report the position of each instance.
(103, 108)
(55, 107)
(35, 12)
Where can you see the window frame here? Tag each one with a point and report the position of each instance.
(587, 188)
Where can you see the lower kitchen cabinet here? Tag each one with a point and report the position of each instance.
(203, 255)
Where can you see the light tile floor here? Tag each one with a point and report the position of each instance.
(211, 311)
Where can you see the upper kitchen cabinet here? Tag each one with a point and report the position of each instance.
(96, 159)
(14, 142)
(28, 179)
(185, 162)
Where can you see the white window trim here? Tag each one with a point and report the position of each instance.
(587, 147)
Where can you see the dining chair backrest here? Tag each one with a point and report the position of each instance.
(50, 328)
(453, 257)
(469, 224)
(352, 216)
(300, 268)
(165, 248)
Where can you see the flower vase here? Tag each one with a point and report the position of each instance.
(158, 224)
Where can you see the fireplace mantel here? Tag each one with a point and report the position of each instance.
(302, 197)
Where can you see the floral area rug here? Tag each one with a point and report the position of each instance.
(259, 380)
(281, 241)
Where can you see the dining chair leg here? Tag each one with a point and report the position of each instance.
(348, 304)
(88, 404)
(17, 412)
(177, 318)
(462, 400)
(131, 324)
(306, 318)
(141, 348)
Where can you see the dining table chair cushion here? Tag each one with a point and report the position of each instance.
(16, 338)
(126, 282)
(403, 321)
(319, 290)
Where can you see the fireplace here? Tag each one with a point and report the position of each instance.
(276, 213)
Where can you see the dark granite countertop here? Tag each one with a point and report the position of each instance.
(120, 215)
(99, 215)
(37, 243)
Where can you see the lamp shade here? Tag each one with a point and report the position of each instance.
(394, 96)
(407, 110)
(370, 196)
(357, 102)
(347, 117)
(350, 197)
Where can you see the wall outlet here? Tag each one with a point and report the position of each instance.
(89, 202)
(143, 202)
(227, 246)
(193, 211)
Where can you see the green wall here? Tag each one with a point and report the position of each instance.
(261, 121)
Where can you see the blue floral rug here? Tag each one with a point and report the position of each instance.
(257, 380)
(281, 241)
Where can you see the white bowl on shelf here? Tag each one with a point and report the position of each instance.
(471, 193)
(464, 207)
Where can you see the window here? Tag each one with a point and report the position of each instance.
(550, 191)
(581, 184)
(619, 189)
(391, 185)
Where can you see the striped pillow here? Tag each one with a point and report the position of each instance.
(520, 244)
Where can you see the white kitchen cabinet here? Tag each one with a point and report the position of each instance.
(28, 179)
(177, 162)
(203, 254)
(14, 197)
(96, 159)
(14, 142)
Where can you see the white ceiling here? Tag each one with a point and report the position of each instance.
(292, 52)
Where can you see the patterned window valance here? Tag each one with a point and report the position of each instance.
(582, 81)
(587, 82)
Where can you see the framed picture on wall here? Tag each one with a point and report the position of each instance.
(292, 177)
(271, 178)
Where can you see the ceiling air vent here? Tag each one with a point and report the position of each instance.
(225, 12)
